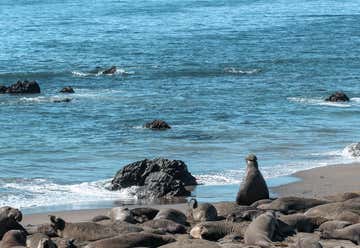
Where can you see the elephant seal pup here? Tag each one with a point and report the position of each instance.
(165, 225)
(9, 220)
(351, 233)
(253, 186)
(132, 240)
(261, 230)
(14, 239)
(83, 231)
(39, 240)
(144, 214)
(333, 224)
(215, 230)
(202, 212)
(122, 214)
(172, 214)
(292, 204)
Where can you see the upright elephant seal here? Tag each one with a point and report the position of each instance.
(253, 187)
(132, 240)
(83, 231)
(351, 233)
(14, 239)
(202, 212)
(261, 230)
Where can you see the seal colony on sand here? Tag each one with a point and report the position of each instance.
(291, 221)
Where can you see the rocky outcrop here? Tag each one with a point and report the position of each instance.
(338, 97)
(67, 89)
(352, 150)
(157, 124)
(155, 178)
(110, 71)
(20, 87)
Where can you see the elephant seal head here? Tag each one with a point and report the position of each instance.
(198, 231)
(12, 213)
(251, 160)
(57, 223)
(193, 203)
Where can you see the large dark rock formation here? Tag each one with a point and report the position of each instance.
(156, 178)
(24, 87)
(338, 97)
(157, 124)
(110, 71)
(3, 89)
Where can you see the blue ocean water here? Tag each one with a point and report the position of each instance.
(230, 77)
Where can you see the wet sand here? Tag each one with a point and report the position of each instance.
(323, 181)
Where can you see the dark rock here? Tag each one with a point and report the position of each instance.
(157, 124)
(338, 97)
(156, 178)
(3, 89)
(62, 100)
(67, 89)
(111, 70)
(24, 87)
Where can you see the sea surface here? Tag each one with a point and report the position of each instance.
(230, 76)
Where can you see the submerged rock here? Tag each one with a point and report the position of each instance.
(352, 150)
(62, 100)
(157, 124)
(338, 97)
(109, 71)
(67, 89)
(3, 89)
(155, 178)
(24, 87)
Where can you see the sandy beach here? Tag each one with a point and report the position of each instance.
(323, 181)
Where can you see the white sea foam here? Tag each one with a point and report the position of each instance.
(42, 99)
(233, 70)
(318, 101)
(41, 192)
(119, 71)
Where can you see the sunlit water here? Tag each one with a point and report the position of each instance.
(230, 77)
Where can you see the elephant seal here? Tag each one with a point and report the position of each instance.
(253, 186)
(83, 231)
(46, 229)
(307, 242)
(144, 214)
(14, 239)
(246, 215)
(202, 212)
(342, 196)
(261, 202)
(345, 211)
(39, 240)
(351, 233)
(301, 222)
(165, 225)
(99, 218)
(132, 240)
(261, 230)
(292, 204)
(215, 230)
(122, 214)
(9, 220)
(224, 209)
(172, 214)
(333, 225)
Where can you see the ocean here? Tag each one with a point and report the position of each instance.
(230, 77)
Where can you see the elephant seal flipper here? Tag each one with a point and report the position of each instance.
(253, 186)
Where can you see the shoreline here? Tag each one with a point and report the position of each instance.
(316, 182)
